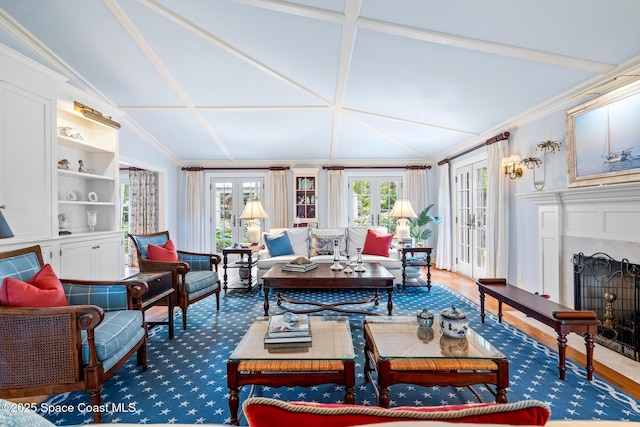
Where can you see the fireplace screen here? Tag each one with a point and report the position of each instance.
(610, 288)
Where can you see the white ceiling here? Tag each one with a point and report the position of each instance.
(325, 80)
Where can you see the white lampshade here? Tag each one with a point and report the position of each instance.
(402, 209)
(253, 211)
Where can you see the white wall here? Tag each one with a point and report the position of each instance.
(138, 152)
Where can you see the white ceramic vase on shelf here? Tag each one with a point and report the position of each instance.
(92, 220)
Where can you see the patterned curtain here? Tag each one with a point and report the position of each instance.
(143, 197)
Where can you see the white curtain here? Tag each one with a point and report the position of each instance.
(497, 212)
(416, 191)
(277, 202)
(336, 211)
(444, 257)
(194, 240)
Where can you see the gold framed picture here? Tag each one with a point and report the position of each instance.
(603, 139)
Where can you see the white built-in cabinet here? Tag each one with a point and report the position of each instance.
(25, 161)
(91, 259)
(34, 103)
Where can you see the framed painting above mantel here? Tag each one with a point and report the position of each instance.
(603, 139)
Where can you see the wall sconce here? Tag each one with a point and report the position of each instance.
(511, 166)
(547, 147)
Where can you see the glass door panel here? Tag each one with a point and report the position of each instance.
(371, 200)
(229, 198)
(471, 219)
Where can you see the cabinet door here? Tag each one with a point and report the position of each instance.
(25, 162)
(76, 260)
(108, 262)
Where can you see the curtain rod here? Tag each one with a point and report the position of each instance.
(132, 168)
(500, 137)
(336, 168)
(271, 168)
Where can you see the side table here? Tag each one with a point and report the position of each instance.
(250, 262)
(426, 262)
(160, 289)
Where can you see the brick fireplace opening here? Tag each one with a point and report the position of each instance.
(611, 289)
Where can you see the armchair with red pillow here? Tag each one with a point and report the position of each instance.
(61, 335)
(194, 275)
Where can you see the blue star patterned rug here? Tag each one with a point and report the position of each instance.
(186, 379)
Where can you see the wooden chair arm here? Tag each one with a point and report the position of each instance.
(152, 266)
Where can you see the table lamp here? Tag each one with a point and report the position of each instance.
(253, 211)
(402, 210)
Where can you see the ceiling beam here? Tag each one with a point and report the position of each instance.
(148, 51)
(227, 47)
(347, 43)
(297, 9)
(484, 46)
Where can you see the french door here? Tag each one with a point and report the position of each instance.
(371, 199)
(471, 219)
(228, 198)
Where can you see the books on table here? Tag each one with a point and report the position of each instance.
(281, 332)
(300, 267)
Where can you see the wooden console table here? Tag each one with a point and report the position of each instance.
(562, 319)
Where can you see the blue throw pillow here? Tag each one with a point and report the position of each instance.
(279, 245)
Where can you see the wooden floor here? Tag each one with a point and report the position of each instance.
(468, 288)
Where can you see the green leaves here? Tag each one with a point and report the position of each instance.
(419, 227)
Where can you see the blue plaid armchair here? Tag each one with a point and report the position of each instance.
(194, 275)
(50, 350)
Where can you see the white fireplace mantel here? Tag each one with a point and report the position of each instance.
(587, 219)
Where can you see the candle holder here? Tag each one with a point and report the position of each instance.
(347, 268)
(359, 264)
(336, 256)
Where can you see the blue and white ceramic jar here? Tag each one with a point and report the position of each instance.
(454, 322)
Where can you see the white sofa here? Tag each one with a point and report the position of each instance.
(354, 237)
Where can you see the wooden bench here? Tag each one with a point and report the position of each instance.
(563, 319)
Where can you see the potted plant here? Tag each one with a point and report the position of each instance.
(419, 229)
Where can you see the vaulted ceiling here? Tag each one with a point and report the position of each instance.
(325, 80)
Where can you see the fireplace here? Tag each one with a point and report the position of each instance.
(611, 289)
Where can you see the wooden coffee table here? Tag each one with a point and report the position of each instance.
(375, 277)
(400, 351)
(329, 360)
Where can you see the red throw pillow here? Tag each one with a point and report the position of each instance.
(265, 412)
(42, 290)
(377, 244)
(166, 252)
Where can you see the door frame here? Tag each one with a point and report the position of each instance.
(208, 178)
(376, 177)
(454, 167)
